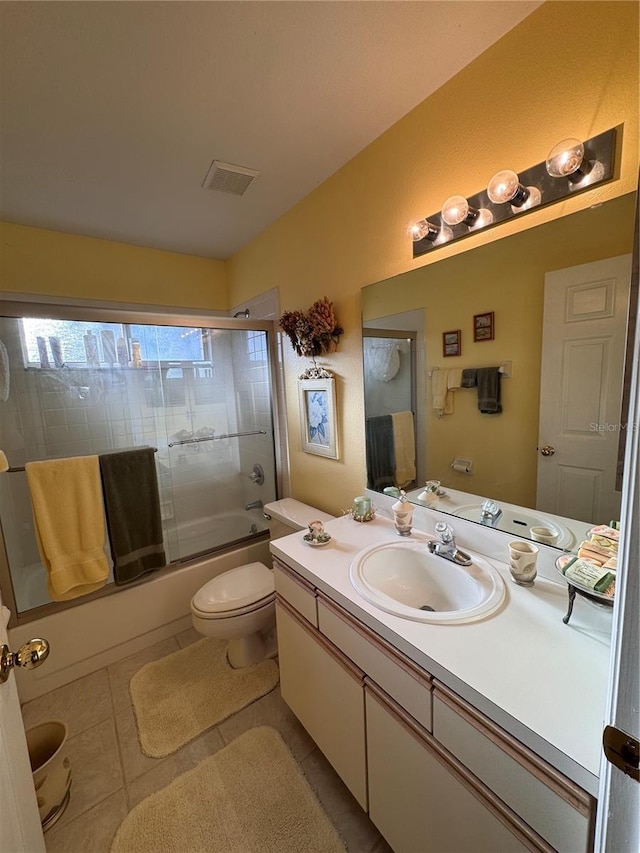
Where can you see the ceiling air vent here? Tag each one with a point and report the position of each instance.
(227, 178)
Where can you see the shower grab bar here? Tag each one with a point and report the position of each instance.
(217, 437)
(22, 468)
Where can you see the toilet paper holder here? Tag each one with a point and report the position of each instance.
(462, 466)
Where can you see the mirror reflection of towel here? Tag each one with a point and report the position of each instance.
(380, 452)
(404, 448)
(489, 390)
(132, 505)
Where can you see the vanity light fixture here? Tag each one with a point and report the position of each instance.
(457, 211)
(567, 160)
(571, 166)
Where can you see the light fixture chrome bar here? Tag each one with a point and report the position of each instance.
(217, 437)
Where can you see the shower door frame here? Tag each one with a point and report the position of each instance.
(19, 305)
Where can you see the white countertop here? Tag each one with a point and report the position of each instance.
(541, 680)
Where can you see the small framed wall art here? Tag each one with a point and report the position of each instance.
(318, 416)
(483, 327)
(452, 343)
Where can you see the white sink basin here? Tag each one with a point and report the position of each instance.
(518, 522)
(404, 578)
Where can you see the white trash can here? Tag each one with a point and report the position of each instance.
(51, 769)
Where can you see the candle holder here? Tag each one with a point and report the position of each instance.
(362, 509)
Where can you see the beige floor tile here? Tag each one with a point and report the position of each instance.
(353, 824)
(270, 710)
(120, 673)
(134, 761)
(79, 705)
(169, 768)
(96, 772)
(93, 831)
(188, 638)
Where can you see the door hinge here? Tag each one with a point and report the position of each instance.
(622, 750)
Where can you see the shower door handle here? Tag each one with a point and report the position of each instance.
(30, 655)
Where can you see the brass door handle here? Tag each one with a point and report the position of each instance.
(547, 450)
(29, 656)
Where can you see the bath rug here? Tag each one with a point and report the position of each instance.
(177, 698)
(250, 797)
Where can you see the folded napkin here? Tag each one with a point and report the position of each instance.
(132, 504)
(69, 521)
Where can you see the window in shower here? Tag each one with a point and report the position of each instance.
(201, 395)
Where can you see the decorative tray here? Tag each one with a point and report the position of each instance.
(599, 597)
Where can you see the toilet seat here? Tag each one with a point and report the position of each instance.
(235, 592)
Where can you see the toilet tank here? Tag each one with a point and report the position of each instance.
(289, 516)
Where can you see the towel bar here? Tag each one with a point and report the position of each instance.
(17, 468)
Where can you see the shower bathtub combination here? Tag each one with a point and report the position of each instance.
(89, 381)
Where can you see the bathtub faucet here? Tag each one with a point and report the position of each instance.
(254, 505)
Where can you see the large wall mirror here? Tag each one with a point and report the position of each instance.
(558, 297)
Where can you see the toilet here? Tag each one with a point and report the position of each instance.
(239, 605)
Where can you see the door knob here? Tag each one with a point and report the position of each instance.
(547, 450)
(30, 655)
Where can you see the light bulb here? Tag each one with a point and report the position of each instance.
(423, 228)
(505, 187)
(456, 209)
(567, 160)
(418, 230)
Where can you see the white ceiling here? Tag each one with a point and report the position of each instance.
(113, 111)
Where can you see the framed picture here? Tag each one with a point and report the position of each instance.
(483, 327)
(318, 416)
(452, 343)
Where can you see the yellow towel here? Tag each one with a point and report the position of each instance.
(66, 497)
(441, 396)
(404, 446)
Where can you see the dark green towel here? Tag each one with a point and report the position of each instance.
(489, 390)
(381, 458)
(132, 505)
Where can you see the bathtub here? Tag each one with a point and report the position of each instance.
(194, 536)
(93, 635)
(182, 541)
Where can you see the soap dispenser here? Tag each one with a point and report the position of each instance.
(402, 514)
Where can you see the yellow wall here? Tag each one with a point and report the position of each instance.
(37, 261)
(570, 69)
(506, 277)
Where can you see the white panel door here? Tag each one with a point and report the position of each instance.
(20, 830)
(583, 346)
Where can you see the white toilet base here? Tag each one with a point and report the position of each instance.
(250, 636)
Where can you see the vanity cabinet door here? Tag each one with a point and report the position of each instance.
(325, 692)
(417, 799)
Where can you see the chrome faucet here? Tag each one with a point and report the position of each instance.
(446, 546)
(254, 505)
(490, 512)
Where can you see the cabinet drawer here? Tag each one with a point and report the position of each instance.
(419, 801)
(325, 692)
(294, 589)
(556, 808)
(399, 677)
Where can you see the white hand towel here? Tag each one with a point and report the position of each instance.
(441, 396)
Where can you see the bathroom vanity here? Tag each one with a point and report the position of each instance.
(482, 736)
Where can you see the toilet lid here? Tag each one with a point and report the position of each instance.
(237, 588)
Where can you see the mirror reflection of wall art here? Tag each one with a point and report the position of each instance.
(483, 327)
(452, 343)
(318, 416)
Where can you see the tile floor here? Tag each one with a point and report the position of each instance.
(111, 775)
